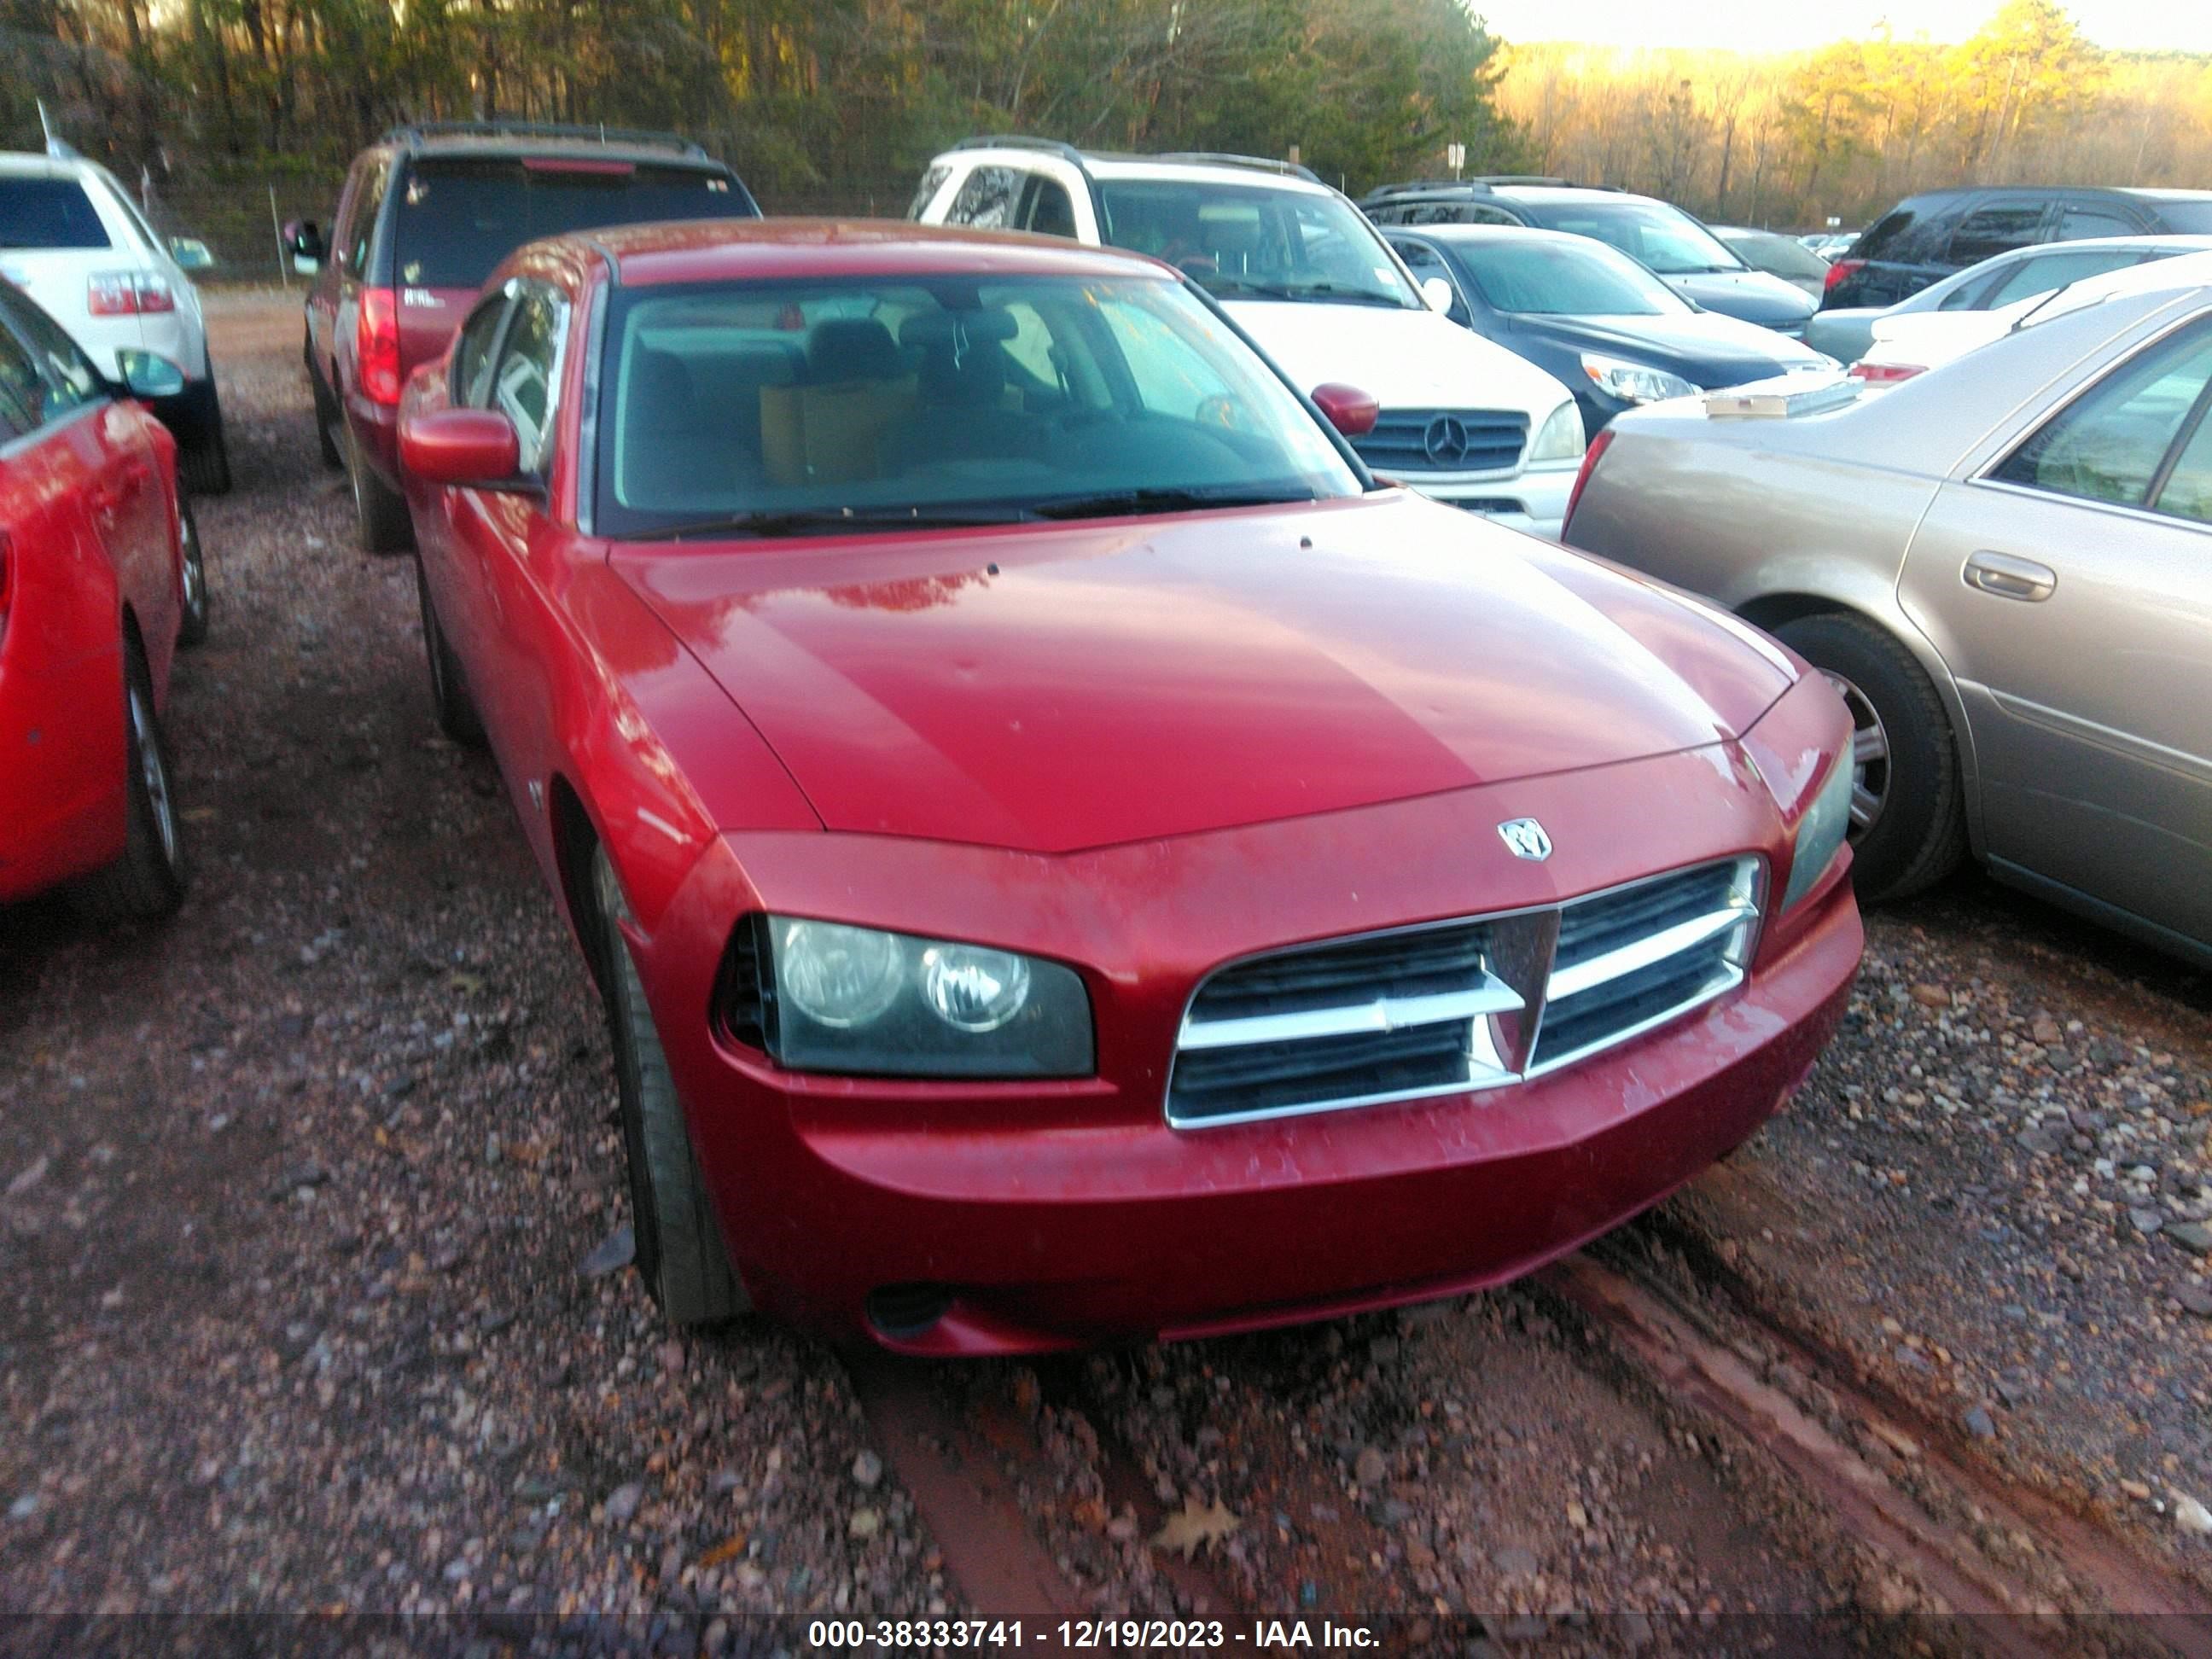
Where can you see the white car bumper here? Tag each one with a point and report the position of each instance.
(1534, 499)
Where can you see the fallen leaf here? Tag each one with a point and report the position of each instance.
(728, 1550)
(467, 984)
(199, 815)
(1193, 1528)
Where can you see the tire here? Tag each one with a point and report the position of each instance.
(198, 603)
(1908, 807)
(380, 512)
(449, 692)
(326, 420)
(202, 456)
(679, 1243)
(148, 882)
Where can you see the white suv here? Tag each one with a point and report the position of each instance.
(1305, 274)
(71, 238)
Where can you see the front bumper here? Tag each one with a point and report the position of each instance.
(1048, 1215)
(1534, 499)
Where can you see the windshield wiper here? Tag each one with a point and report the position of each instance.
(1111, 503)
(829, 520)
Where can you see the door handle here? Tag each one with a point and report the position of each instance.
(2010, 578)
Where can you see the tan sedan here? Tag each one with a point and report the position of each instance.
(2006, 567)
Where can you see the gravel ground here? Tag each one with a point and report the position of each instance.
(307, 1203)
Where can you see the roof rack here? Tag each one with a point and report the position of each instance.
(414, 132)
(1017, 141)
(1412, 186)
(1223, 158)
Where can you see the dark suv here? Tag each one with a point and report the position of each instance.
(426, 212)
(1924, 239)
(1673, 245)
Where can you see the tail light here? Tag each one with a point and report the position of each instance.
(376, 346)
(1838, 270)
(1885, 374)
(1598, 446)
(128, 294)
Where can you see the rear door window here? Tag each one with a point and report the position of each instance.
(2046, 271)
(986, 201)
(459, 217)
(353, 254)
(2112, 444)
(1999, 228)
(1047, 209)
(48, 213)
(2079, 220)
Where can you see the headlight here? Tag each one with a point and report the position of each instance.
(1560, 438)
(856, 1000)
(1820, 831)
(1634, 383)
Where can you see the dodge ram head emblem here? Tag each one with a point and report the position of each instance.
(1527, 838)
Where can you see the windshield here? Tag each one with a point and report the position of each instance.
(1666, 239)
(939, 400)
(459, 218)
(1564, 279)
(1249, 241)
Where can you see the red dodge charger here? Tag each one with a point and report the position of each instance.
(101, 581)
(1066, 852)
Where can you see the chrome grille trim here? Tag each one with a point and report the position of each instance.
(1461, 1006)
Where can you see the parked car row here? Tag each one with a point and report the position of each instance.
(823, 591)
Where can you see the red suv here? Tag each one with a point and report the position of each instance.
(427, 211)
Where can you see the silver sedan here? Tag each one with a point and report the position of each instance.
(2005, 566)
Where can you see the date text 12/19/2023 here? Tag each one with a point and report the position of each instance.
(1259, 1635)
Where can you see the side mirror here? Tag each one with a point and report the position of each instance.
(466, 448)
(303, 240)
(1347, 408)
(147, 376)
(191, 253)
(1439, 293)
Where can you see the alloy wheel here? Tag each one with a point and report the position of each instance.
(153, 774)
(1870, 756)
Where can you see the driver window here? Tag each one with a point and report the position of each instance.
(1049, 212)
(523, 384)
(2111, 444)
(472, 381)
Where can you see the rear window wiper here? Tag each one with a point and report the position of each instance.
(829, 520)
(1111, 503)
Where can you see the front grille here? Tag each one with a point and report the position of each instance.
(1459, 1005)
(1410, 440)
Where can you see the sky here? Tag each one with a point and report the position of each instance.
(1757, 26)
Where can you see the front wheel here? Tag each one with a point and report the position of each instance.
(198, 603)
(148, 882)
(1908, 807)
(679, 1243)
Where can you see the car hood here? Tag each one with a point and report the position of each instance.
(1055, 688)
(1705, 347)
(1403, 359)
(1753, 295)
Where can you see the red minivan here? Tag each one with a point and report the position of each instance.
(427, 211)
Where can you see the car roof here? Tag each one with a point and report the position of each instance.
(1493, 233)
(734, 249)
(504, 139)
(1107, 165)
(30, 164)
